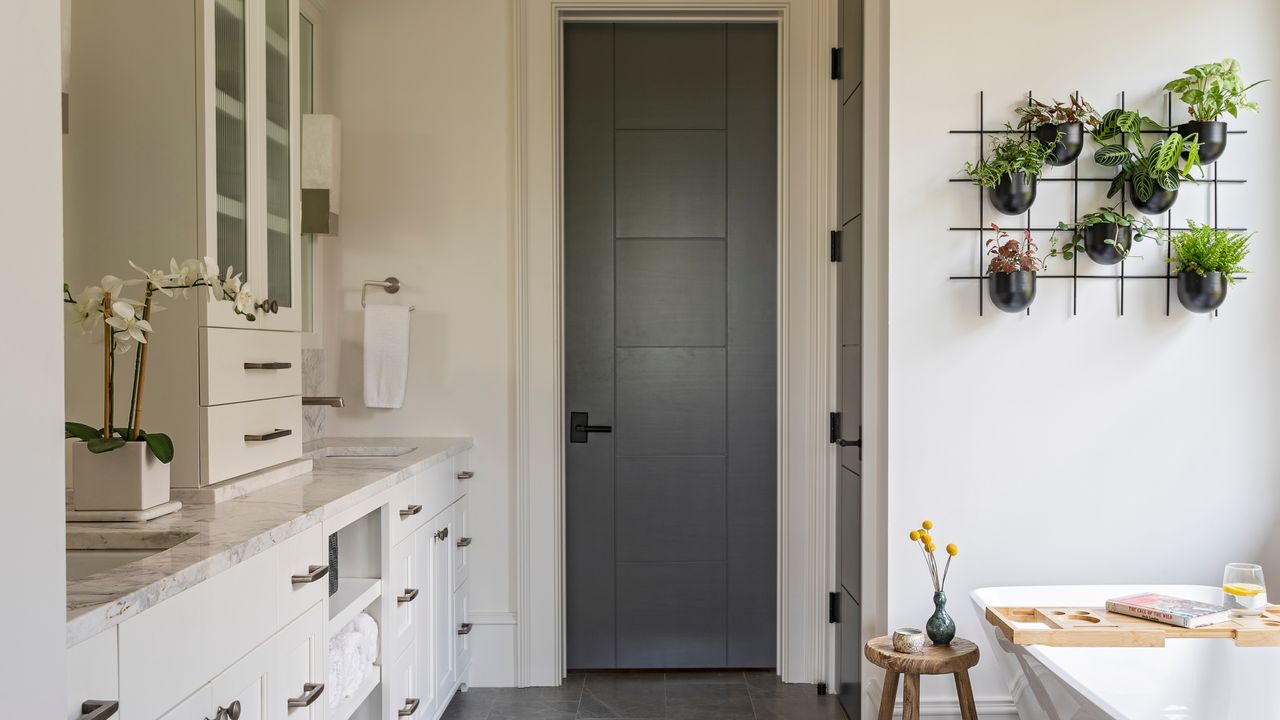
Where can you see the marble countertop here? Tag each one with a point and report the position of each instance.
(227, 533)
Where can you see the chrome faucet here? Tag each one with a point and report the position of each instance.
(329, 400)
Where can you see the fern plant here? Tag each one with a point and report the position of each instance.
(1146, 167)
(1203, 249)
(1213, 89)
(1010, 154)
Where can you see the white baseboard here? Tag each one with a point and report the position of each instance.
(493, 649)
(989, 707)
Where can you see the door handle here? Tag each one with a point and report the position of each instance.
(98, 709)
(464, 629)
(310, 691)
(273, 435)
(464, 542)
(267, 365)
(410, 511)
(410, 707)
(579, 426)
(410, 594)
(314, 573)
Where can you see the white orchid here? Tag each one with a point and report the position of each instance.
(156, 279)
(243, 299)
(185, 275)
(126, 321)
(209, 274)
(89, 309)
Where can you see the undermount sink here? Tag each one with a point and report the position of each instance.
(98, 550)
(359, 452)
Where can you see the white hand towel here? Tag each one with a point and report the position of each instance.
(386, 355)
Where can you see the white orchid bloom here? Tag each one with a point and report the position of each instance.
(208, 271)
(185, 275)
(116, 286)
(89, 309)
(125, 321)
(243, 298)
(156, 279)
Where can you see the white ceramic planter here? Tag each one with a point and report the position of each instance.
(127, 478)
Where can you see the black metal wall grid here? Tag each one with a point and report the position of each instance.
(983, 228)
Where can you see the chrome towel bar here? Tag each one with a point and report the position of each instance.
(391, 285)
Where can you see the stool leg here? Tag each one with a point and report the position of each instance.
(911, 697)
(968, 710)
(888, 695)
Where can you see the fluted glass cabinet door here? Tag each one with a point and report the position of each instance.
(230, 135)
(279, 176)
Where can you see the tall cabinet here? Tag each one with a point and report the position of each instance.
(184, 142)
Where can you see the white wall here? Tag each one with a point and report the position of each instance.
(1060, 449)
(32, 674)
(423, 90)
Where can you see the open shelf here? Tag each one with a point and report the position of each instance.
(351, 599)
(353, 703)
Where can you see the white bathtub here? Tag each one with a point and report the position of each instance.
(1184, 680)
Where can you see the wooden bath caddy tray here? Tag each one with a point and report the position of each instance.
(1095, 627)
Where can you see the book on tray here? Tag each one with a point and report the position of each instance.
(1169, 610)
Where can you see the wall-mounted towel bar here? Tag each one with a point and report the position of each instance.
(391, 285)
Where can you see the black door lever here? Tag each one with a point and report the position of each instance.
(578, 427)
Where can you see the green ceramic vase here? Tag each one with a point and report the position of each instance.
(941, 628)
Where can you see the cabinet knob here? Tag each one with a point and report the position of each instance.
(231, 712)
(466, 475)
(442, 534)
(267, 306)
(410, 594)
(314, 573)
(98, 709)
(310, 691)
(410, 707)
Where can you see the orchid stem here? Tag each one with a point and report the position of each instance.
(107, 341)
(140, 374)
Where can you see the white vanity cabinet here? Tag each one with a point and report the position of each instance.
(93, 676)
(183, 142)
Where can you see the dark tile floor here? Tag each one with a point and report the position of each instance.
(651, 696)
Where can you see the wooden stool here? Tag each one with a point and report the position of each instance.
(955, 659)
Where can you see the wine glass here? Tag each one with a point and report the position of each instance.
(1244, 592)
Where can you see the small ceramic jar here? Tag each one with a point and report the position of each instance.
(908, 640)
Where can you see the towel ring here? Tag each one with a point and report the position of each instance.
(391, 285)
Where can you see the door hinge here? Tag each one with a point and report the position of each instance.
(833, 607)
(836, 53)
(837, 245)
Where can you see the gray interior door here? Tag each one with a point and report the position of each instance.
(849, 479)
(670, 342)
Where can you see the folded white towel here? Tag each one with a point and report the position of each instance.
(386, 355)
(368, 631)
(353, 650)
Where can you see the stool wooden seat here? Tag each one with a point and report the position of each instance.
(954, 659)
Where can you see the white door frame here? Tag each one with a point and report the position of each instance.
(807, 346)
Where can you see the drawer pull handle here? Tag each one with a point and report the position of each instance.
(466, 475)
(464, 542)
(410, 511)
(464, 629)
(273, 435)
(98, 709)
(314, 573)
(310, 691)
(231, 712)
(410, 707)
(442, 534)
(410, 594)
(268, 366)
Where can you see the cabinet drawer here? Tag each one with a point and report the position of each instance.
(408, 593)
(297, 674)
(241, 365)
(407, 689)
(462, 622)
(461, 542)
(92, 672)
(249, 436)
(299, 584)
(407, 511)
(437, 488)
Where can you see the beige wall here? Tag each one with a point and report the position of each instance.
(423, 91)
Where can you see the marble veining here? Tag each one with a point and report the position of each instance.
(313, 416)
(225, 534)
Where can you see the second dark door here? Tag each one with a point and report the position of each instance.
(670, 344)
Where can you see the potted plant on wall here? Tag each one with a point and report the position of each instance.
(127, 468)
(1211, 91)
(1010, 171)
(1061, 126)
(1151, 173)
(1206, 262)
(1106, 235)
(1011, 273)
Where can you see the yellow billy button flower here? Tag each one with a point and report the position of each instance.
(930, 547)
(927, 524)
(926, 538)
(952, 550)
(915, 535)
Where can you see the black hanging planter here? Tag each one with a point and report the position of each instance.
(1014, 193)
(1212, 136)
(1160, 201)
(1202, 293)
(1066, 139)
(1102, 252)
(1012, 292)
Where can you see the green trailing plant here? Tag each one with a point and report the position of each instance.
(1038, 113)
(1147, 167)
(1141, 229)
(1202, 249)
(1213, 90)
(1010, 154)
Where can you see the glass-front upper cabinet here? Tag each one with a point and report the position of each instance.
(253, 220)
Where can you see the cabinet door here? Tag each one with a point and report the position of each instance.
(407, 687)
(462, 543)
(244, 683)
(442, 628)
(409, 593)
(297, 676)
(462, 631)
(227, 145)
(199, 706)
(93, 674)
